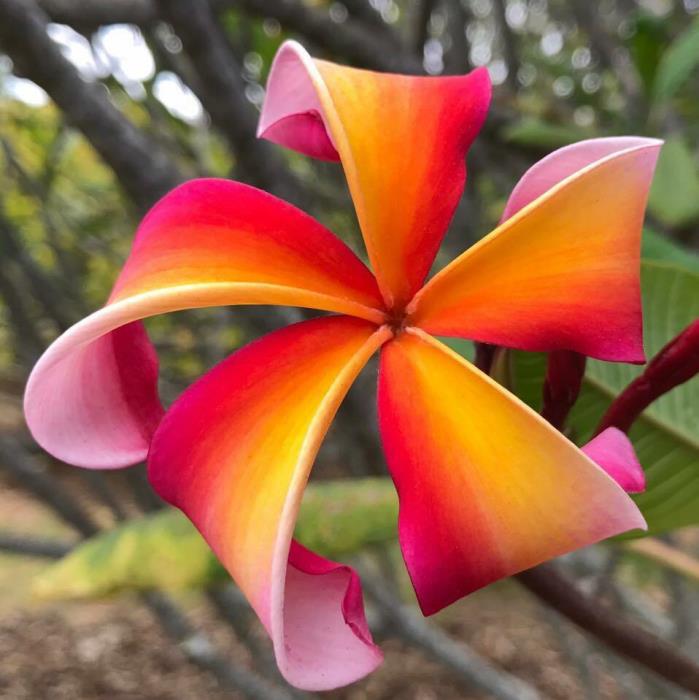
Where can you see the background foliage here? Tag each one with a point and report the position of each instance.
(105, 106)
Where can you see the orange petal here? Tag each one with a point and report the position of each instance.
(402, 141)
(561, 274)
(207, 243)
(487, 487)
(234, 453)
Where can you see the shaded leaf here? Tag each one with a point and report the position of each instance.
(674, 195)
(537, 133)
(166, 551)
(677, 63)
(665, 436)
(661, 248)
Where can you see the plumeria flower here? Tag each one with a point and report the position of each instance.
(487, 487)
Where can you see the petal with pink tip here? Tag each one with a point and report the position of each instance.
(234, 453)
(486, 486)
(560, 274)
(91, 399)
(562, 163)
(402, 141)
(613, 451)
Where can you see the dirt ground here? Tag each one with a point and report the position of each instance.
(115, 650)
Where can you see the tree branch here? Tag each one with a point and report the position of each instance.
(468, 665)
(551, 586)
(221, 90)
(145, 171)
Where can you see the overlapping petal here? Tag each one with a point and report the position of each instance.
(234, 453)
(402, 141)
(612, 450)
(563, 272)
(91, 400)
(486, 486)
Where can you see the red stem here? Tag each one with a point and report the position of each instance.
(675, 364)
(564, 374)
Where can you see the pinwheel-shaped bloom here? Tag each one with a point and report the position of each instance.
(486, 487)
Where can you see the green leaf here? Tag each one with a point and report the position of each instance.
(677, 63)
(534, 132)
(674, 195)
(661, 248)
(647, 45)
(166, 551)
(665, 436)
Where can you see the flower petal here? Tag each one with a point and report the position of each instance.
(234, 453)
(209, 242)
(612, 450)
(487, 487)
(402, 141)
(562, 163)
(562, 273)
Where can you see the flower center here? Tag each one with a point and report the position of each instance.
(397, 320)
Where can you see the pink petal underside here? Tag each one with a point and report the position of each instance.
(612, 451)
(104, 392)
(560, 164)
(292, 114)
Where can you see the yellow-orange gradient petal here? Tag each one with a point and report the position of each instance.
(207, 243)
(486, 486)
(562, 273)
(402, 141)
(234, 453)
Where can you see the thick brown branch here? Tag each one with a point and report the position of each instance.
(88, 15)
(221, 89)
(143, 169)
(548, 584)
(350, 39)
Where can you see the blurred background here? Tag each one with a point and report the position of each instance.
(104, 107)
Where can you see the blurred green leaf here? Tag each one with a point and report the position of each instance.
(538, 133)
(166, 551)
(658, 247)
(665, 436)
(677, 63)
(647, 44)
(674, 195)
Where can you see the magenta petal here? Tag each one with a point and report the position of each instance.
(612, 451)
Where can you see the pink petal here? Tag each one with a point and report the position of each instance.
(612, 450)
(88, 395)
(560, 164)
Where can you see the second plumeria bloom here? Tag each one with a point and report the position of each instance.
(486, 486)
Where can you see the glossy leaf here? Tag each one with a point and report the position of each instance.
(674, 195)
(666, 436)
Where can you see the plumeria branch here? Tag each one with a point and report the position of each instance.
(144, 170)
(475, 670)
(556, 590)
(675, 364)
(221, 89)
